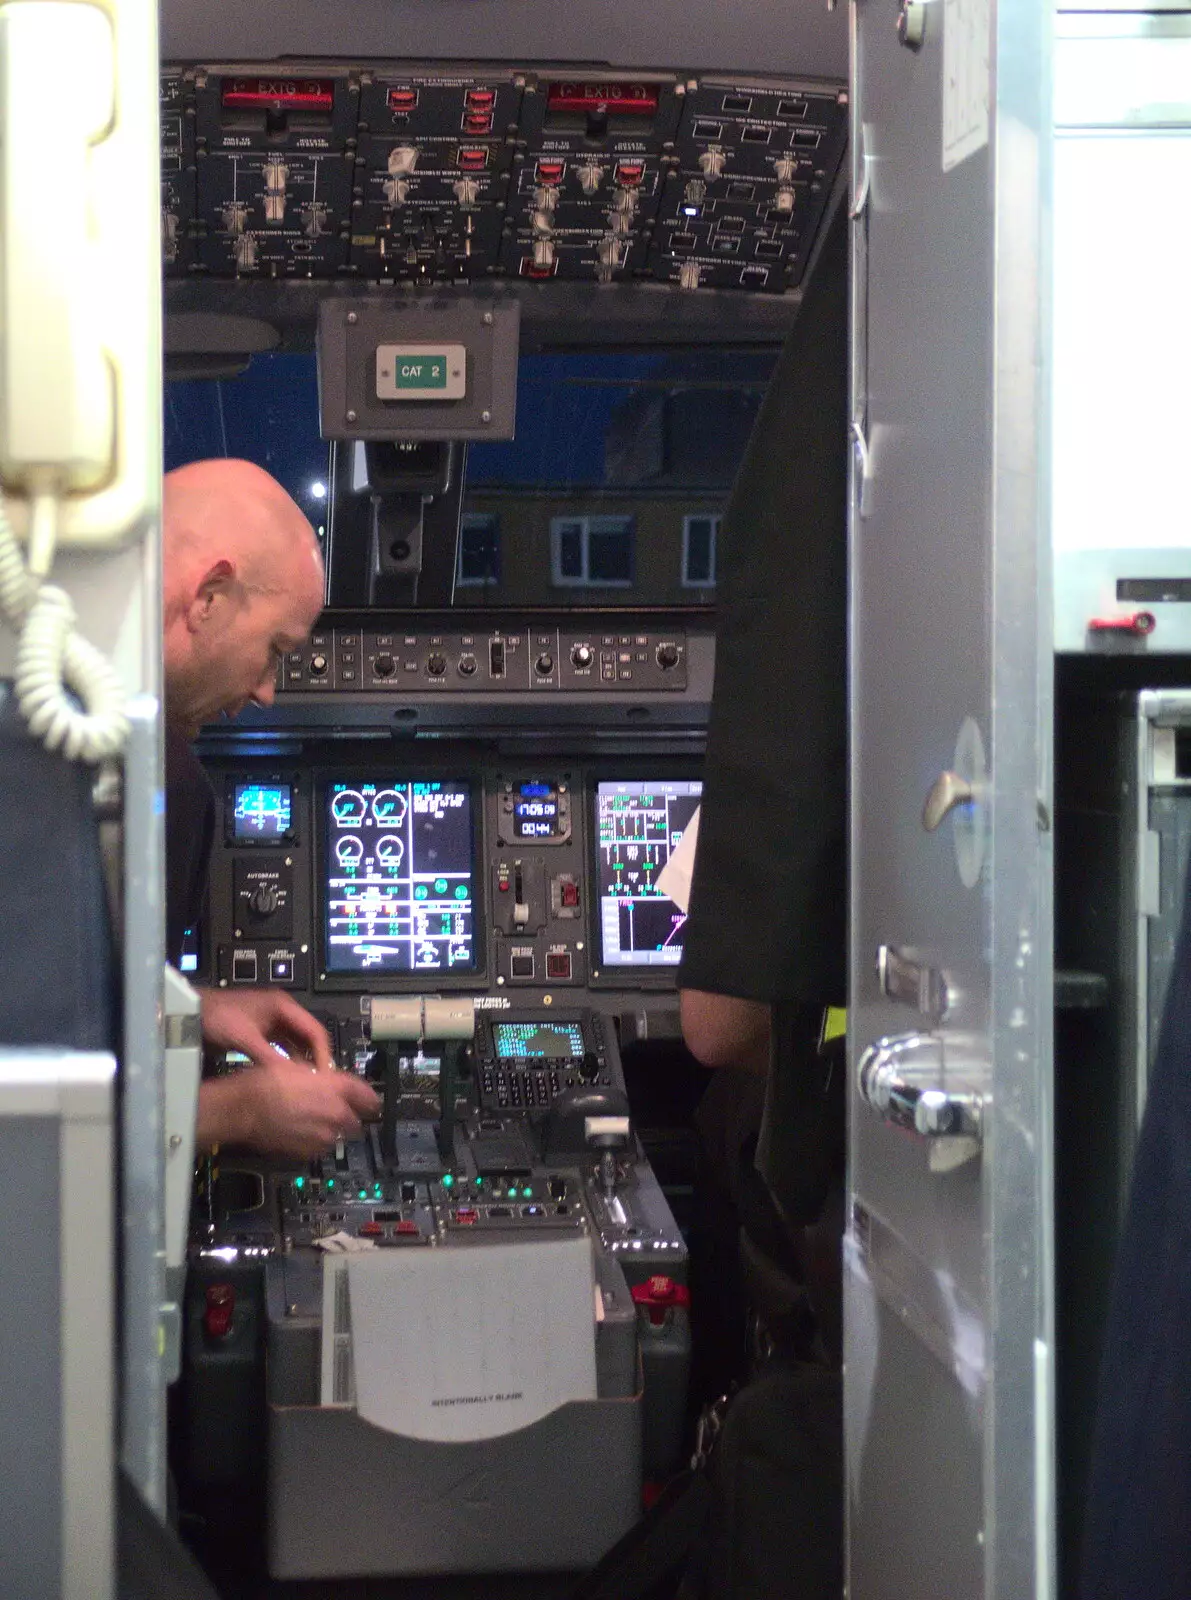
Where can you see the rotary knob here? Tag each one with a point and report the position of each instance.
(436, 664)
(667, 656)
(384, 666)
(544, 665)
(582, 655)
(318, 666)
(264, 899)
(402, 160)
(713, 161)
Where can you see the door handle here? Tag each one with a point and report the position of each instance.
(948, 791)
(903, 1079)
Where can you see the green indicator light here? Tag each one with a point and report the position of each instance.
(440, 886)
(421, 892)
(527, 1192)
(479, 1183)
(461, 892)
(330, 1183)
(363, 1194)
(447, 1181)
(299, 1183)
(376, 1190)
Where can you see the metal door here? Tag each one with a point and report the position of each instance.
(948, 1251)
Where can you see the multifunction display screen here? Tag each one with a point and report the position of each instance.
(262, 810)
(535, 811)
(637, 826)
(398, 890)
(551, 1041)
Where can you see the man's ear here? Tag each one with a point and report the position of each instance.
(214, 586)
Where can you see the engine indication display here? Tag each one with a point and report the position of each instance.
(398, 891)
(262, 810)
(638, 824)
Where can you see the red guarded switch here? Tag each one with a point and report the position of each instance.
(659, 1295)
(219, 1311)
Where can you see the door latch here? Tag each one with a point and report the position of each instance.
(903, 1079)
(912, 982)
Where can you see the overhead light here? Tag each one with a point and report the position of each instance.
(319, 491)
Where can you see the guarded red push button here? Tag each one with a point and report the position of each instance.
(219, 1310)
(660, 1294)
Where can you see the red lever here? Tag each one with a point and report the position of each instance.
(660, 1294)
(1139, 624)
(221, 1308)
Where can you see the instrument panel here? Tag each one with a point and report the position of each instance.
(356, 873)
(413, 172)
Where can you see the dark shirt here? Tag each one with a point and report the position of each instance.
(768, 896)
(768, 910)
(189, 835)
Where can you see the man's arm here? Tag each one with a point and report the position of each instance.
(276, 1105)
(722, 1030)
(283, 1108)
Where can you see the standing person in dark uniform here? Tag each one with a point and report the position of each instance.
(765, 941)
(242, 585)
(765, 954)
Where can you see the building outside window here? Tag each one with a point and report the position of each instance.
(479, 550)
(699, 536)
(592, 552)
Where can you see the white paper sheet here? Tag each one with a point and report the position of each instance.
(674, 880)
(471, 1342)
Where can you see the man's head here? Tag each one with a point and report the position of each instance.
(242, 584)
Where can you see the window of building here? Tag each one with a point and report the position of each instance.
(593, 552)
(479, 550)
(699, 535)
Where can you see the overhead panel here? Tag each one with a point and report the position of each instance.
(424, 172)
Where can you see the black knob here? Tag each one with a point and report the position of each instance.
(384, 666)
(318, 666)
(589, 1067)
(436, 664)
(467, 666)
(264, 899)
(582, 655)
(667, 655)
(544, 665)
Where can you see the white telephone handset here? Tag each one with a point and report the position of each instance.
(57, 401)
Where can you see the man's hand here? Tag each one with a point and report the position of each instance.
(248, 1019)
(284, 1108)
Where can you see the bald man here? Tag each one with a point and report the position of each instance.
(242, 584)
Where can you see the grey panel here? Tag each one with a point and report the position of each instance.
(474, 1500)
(31, 1557)
(751, 36)
(950, 1444)
(349, 367)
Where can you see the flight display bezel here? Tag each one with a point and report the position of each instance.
(630, 975)
(251, 780)
(367, 980)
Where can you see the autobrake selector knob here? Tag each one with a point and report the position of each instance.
(436, 664)
(667, 656)
(318, 666)
(582, 655)
(264, 899)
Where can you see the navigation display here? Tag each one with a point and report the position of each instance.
(398, 877)
(637, 826)
(262, 810)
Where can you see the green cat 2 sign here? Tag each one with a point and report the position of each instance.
(421, 372)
